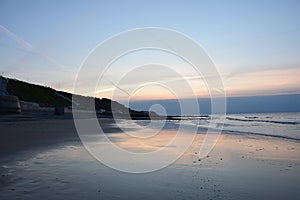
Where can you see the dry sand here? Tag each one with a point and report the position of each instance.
(43, 158)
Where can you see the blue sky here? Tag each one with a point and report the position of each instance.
(254, 44)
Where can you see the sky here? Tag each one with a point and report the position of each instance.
(255, 45)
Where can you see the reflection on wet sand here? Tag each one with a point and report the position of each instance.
(239, 167)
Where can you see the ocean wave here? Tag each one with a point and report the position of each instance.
(261, 134)
(261, 120)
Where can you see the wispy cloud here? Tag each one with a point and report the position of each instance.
(259, 68)
(16, 38)
(264, 82)
(126, 88)
(29, 48)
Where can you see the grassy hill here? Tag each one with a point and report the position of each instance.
(48, 97)
(44, 96)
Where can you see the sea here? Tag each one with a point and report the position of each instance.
(282, 125)
(276, 116)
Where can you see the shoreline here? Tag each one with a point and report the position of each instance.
(45, 158)
(32, 137)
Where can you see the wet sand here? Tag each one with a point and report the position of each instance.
(44, 159)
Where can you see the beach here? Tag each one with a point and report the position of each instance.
(149, 100)
(43, 158)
